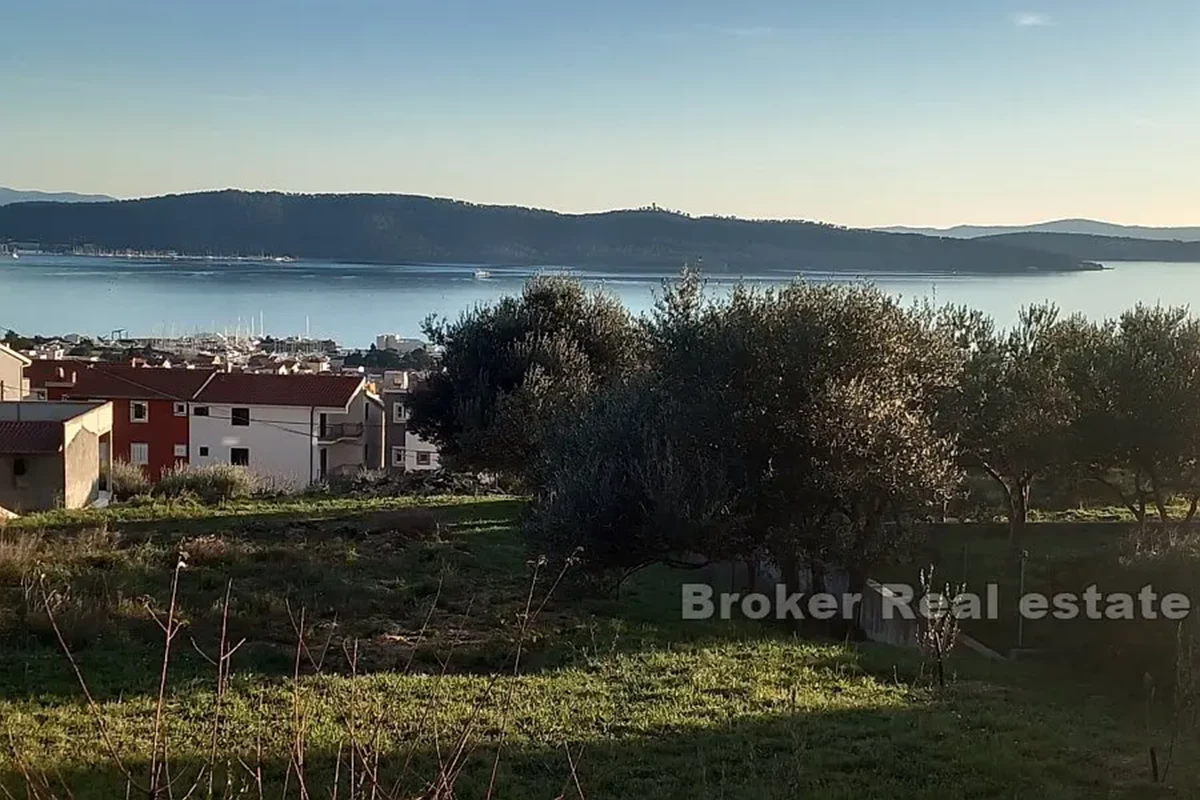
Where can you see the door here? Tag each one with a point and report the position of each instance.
(324, 461)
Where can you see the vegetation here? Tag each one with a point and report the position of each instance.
(128, 480)
(1013, 408)
(374, 358)
(414, 690)
(1100, 248)
(401, 228)
(382, 646)
(209, 483)
(509, 370)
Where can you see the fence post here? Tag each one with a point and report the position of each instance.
(1020, 594)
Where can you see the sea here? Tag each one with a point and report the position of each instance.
(352, 303)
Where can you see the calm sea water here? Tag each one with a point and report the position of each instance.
(352, 303)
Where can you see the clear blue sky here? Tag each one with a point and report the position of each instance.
(862, 112)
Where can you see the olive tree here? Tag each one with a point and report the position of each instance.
(797, 423)
(508, 369)
(1014, 408)
(1138, 384)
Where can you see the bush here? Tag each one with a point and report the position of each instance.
(211, 483)
(128, 480)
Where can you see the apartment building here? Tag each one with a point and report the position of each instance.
(406, 451)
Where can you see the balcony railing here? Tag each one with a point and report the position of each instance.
(333, 431)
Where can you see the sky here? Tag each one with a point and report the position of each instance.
(856, 112)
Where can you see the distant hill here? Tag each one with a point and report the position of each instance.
(389, 228)
(1089, 227)
(8, 196)
(1100, 248)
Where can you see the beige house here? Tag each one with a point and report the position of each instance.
(53, 454)
(13, 383)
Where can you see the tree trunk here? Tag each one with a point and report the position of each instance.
(1018, 512)
(1160, 499)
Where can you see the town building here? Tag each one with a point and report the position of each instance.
(292, 430)
(397, 343)
(53, 455)
(13, 383)
(407, 452)
(150, 410)
(51, 380)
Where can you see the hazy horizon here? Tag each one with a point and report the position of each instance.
(926, 114)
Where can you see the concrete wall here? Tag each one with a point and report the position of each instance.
(81, 464)
(39, 489)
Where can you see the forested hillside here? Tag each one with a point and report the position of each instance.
(405, 228)
(1100, 248)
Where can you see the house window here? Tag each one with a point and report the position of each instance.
(424, 459)
(239, 416)
(139, 411)
(181, 409)
(397, 456)
(19, 467)
(200, 411)
(203, 450)
(39, 394)
(399, 412)
(239, 456)
(139, 454)
(181, 451)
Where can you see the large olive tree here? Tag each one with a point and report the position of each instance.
(508, 369)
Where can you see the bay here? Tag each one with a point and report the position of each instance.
(351, 303)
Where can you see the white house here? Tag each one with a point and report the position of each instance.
(292, 430)
(13, 383)
(417, 454)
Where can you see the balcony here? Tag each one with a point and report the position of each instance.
(340, 431)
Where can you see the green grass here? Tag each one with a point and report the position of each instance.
(645, 705)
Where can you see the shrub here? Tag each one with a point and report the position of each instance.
(211, 483)
(128, 480)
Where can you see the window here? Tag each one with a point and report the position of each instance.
(424, 459)
(203, 450)
(19, 467)
(200, 411)
(239, 456)
(397, 456)
(181, 451)
(39, 394)
(239, 416)
(139, 411)
(399, 412)
(139, 453)
(181, 409)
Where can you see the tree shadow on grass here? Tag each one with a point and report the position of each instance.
(413, 589)
(937, 749)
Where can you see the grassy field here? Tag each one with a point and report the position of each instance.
(412, 613)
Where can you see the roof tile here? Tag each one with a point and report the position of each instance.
(323, 391)
(29, 437)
